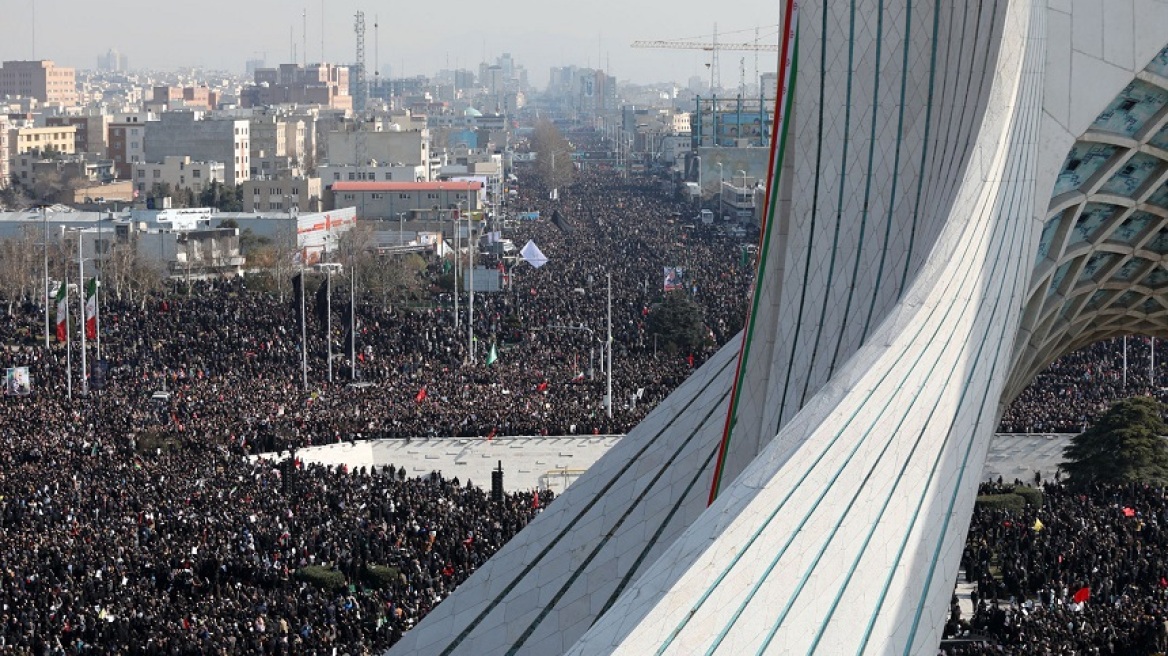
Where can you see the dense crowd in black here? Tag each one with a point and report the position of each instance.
(1073, 390)
(129, 525)
(1109, 541)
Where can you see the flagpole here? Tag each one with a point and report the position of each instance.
(457, 263)
(303, 330)
(45, 220)
(1125, 363)
(328, 335)
(1152, 365)
(97, 266)
(608, 350)
(68, 342)
(352, 318)
(81, 303)
(473, 246)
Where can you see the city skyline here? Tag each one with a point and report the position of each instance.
(74, 34)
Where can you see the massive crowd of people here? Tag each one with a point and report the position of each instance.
(1076, 388)
(1085, 573)
(132, 522)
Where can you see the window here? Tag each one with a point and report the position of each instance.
(157, 173)
(336, 176)
(141, 173)
(352, 175)
(403, 196)
(196, 173)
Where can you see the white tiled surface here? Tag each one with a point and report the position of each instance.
(860, 439)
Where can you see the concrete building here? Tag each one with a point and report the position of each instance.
(282, 194)
(188, 97)
(113, 62)
(808, 490)
(92, 131)
(386, 200)
(326, 85)
(126, 147)
(269, 146)
(42, 80)
(178, 172)
(408, 148)
(380, 172)
(5, 154)
(62, 139)
(208, 140)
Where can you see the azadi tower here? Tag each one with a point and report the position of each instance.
(960, 192)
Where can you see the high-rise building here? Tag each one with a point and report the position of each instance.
(206, 140)
(292, 84)
(41, 79)
(112, 62)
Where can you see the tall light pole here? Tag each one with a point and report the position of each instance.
(45, 293)
(352, 312)
(473, 246)
(401, 232)
(608, 351)
(721, 183)
(457, 260)
(698, 158)
(81, 315)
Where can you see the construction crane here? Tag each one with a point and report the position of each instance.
(713, 47)
(697, 45)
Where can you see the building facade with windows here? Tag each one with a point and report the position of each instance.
(386, 200)
(208, 140)
(42, 80)
(282, 195)
(179, 173)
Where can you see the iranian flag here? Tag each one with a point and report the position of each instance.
(62, 312)
(91, 309)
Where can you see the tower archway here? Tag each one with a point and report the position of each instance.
(1102, 264)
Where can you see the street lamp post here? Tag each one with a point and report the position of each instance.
(45, 293)
(81, 315)
(401, 234)
(698, 158)
(608, 351)
(721, 183)
(473, 246)
(457, 260)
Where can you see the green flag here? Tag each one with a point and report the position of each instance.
(492, 356)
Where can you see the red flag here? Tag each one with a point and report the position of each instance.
(542, 387)
(535, 499)
(421, 395)
(1129, 512)
(690, 360)
(1082, 595)
(491, 435)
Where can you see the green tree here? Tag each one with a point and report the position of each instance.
(678, 322)
(1123, 445)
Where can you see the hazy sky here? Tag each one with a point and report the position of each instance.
(417, 36)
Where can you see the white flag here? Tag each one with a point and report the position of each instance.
(532, 255)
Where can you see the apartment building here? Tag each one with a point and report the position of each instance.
(188, 133)
(92, 131)
(282, 194)
(292, 84)
(179, 172)
(41, 79)
(62, 139)
(386, 200)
